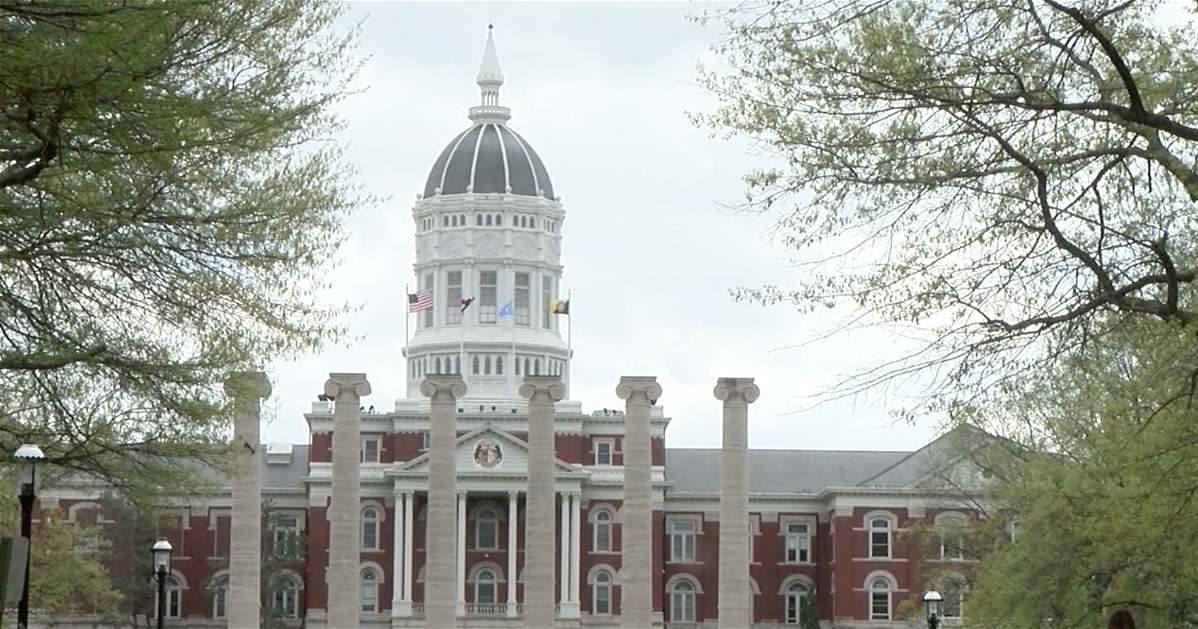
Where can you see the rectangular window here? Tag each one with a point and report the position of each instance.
(798, 543)
(602, 599)
(370, 450)
(488, 296)
(426, 316)
(286, 531)
(682, 541)
(453, 297)
(546, 297)
(424, 440)
(879, 605)
(879, 537)
(603, 452)
(523, 299)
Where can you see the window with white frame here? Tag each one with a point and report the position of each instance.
(603, 451)
(370, 450)
(220, 596)
(453, 297)
(951, 531)
(601, 530)
(523, 299)
(369, 590)
(424, 440)
(285, 596)
(486, 529)
(488, 296)
(794, 600)
(286, 533)
(425, 318)
(797, 546)
(954, 589)
(682, 601)
(546, 297)
(370, 528)
(174, 597)
(879, 537)
(879, 598)
(682, 540)
(601, 593)
(485, 586)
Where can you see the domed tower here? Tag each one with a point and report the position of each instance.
(488, 251)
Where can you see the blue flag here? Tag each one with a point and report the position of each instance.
(506, 310)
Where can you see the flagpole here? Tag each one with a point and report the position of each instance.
(569, 344)
(407, 318)
(512, 388)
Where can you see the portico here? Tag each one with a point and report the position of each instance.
(491, 483)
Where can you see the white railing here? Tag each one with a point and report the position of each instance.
(418, 610)
(486, 609)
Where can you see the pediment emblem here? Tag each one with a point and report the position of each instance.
(488, 454)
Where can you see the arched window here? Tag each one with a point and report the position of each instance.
(477, 370)
(486, 529)
(879, 537)
(879, 599)
(445, 221)
(487, 365)
(220, 595)
(454, 220)
(499, 220)
(369, 590)
(796, 593)
(536, 367)
(457, 365)
(285, 596)
(489, 219)
(437, 365)
(174, 597)
(601, 593)
(478, 219)
(484, 586)
(499, 365)
(601, 531)
(682, 601)
(370, 528)
(527, 364)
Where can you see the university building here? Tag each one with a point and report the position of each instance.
(577, 525)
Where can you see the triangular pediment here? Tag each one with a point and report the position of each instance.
(487, 449)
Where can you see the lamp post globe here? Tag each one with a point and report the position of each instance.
(932, 601)
(161, 552)
(28, 457)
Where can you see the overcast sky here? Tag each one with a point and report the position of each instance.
(601, 90)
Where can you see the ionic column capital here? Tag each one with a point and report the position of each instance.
(339, 383)
(442, 385)
(247, 385)
(639, 389)
(540, 388)
(513, 495)
(731, 390)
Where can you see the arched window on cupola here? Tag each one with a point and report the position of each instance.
(499, 365)
(487, 366)
(445, 221)
(527, 364)
(499, 220)
(536, 367)
(437, 365)
(489, 220)
(478, 219)
(476, 369)
(457, 365)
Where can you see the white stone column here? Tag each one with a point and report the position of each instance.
(461, 560)
(734, 589)
(409, 543)
(563, 567)
(345, 505)
(513, 574)
(440, 607)
(637, 534)
(542, 392)
(401, 598)
(247, 389)
(575, 546)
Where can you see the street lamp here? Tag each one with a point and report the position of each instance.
(162, 565)
(932, 601)
(28, 456)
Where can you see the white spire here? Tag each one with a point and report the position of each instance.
(490, 79)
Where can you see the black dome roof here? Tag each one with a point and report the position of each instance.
(489, 158)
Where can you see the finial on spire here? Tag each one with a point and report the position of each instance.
(490, 79)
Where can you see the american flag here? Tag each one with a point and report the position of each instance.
(420, 301)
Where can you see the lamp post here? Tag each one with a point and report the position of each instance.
(932, 601)
(28, 456)
(162, 565)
